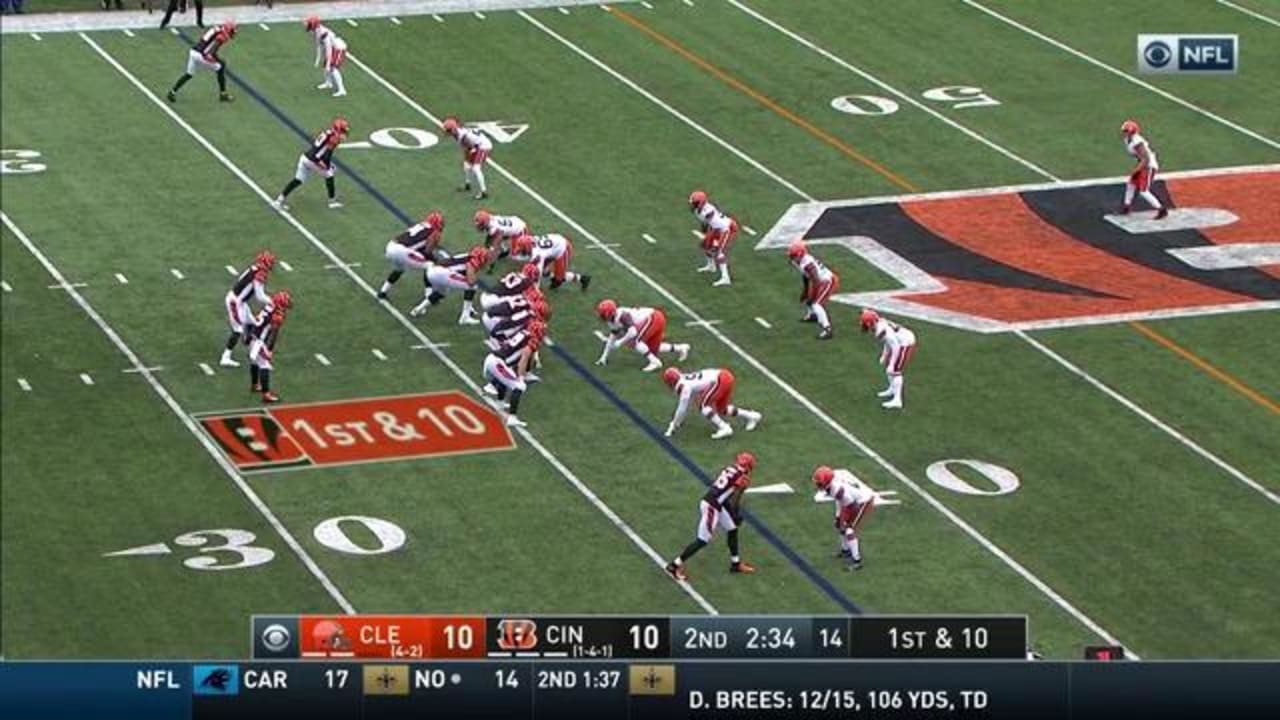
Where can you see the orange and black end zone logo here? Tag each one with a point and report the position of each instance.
(1055, 255)
(345, 432)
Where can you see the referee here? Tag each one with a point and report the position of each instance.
(174, 5)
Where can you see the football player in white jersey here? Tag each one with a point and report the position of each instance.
(1143, 175)
(551, 253)
(641, 328)
(331, 50)
(458, 272)
(854, 503)
(718, 233)
(820, 283)
(898, 346)
(712, 391)
(720, 507)
(476, 147)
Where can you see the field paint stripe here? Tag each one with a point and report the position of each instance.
(750, 230)
(563, 10)
(809, 405)
(437, 18)
(1221, 375)
(1264, 18)
(35, 36)
(323, 360)
(67, 286)
(204, 368)
(893, 91)
(174, 30)
(177, 273)
(204, 439)
(665, 106)
(379, 354)
(352, 22)
(479, 15)
(768, 103)
(231, 270)
(605, 245)
(265, 26)
(6, 286)
(1189, 443)
(120, 278)
(1122, 74)
(430, 346)
(86, 378)
(287, 267)
(186, 420)
(369, 290)
(763, 323)
(154, 368)
(128, 32)
(688, 2)
(26, 386)
(649, 238)
(646, 5)
(395, 20)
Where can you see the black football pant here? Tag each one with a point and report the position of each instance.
(174, 6)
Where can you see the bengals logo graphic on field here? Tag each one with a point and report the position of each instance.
(1056, 255)
(254, 441)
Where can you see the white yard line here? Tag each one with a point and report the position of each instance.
(1257, 15)
(763, 323)
(86, 378)
(646, 5)
(6, 286)
(791, 391)
(649, 238)
(182, 414)
(67, 286)
(204, 368)
(352, 22)
(395, 20)
(26, 386)
(35, 36)
(323, 360)
(437, 18)
(563, 10)
(231, 270)
(750, 230)
(287, 267)
(177, 273)
(139, 370)
(368, 289)
(120, 278)
(128, 32)
(379, 354)
(1122, 74)
(479, 15)
(265, 26)
(894, 91)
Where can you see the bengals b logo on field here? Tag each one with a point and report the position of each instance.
(254, 441)
(1042, 256)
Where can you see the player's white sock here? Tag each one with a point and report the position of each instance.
(722, 427)
(821, 313)
(1151, 198)
(386, 287)
(853, 549)
(1128, 194)
(724, 270)
(336, 75)
(895, 384)
(466, 174)
(751, 417)
(480, 184)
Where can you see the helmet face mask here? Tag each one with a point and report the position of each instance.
(796, 249)
(671, 376)
(607, 309)
(869, 319)
(697, 199)
(746, 461)
(481, 219)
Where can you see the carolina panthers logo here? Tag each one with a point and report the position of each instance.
(1044, 256)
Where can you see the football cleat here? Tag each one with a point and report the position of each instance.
(676, 572)
(255, 388)
(340, 93)
(227, 361)
(892, 405)
(854, 564)
(515, 421)
(468, 319)
(654, 364)
(270, 397)
(532, 378)
(279, 204)
(489, 390)
(323, 86)
(1162, 213)
(420, 309)
(381, 295)
(742, 567)
(723, 432)
(682, 351)
(708, 268)
(844, 554)
(722, 282)
(584, 280)
(225, 97)
(826, 334)
(173, 96)
(887, 392)
(754, 421)
(483, 195)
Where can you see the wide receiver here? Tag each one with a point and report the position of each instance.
(250, 285)
(551, 253)
(413, 249)
(718, 233)
(820, 283)
(720, 507)
(712, 391)
(456, 273)
(898, 346)
(506, 367)
(262, 345)
(854, 503)
(330, 50)
(317, 159)
(1143, 174)
(476, 147)
(641, 328)
(205, 55)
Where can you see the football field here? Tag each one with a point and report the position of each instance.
(1091, 433)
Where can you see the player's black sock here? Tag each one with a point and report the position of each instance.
(434, 297)
(515, 401)
(265, 374)
(690, 549)
(502, 390)
(232, 340)
(394, 276)
(253, 374)
(222, 78)
(331, 186)
(468, 295)
(732, 536)
(181, 81)
(290, 187)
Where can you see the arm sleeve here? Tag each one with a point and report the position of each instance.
(623, 339)
(682, 407)
(260, 292)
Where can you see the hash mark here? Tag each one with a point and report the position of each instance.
(67, 286)
(265, 26)
(26, 386)
(122, 279)
(750, 230)
(602, 246)
(339, 266)
(142, 370)
(437, 18)
(606, 8)
(128, 32)
(231, 270)
(177, 273)
(432, 346)
(323, 360)
(688, 2)
(701, 323)
(763, 323)
(287, 267)
(696, 234)
(563, 10)
(35, 36)
(646, 5)
(649, 238)
(84, 378)
(478, 14)
(379, 354)
(204, 367)
(7, 287)
(352, 23)
(395, 20)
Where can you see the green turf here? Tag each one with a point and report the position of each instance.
(1122, 521)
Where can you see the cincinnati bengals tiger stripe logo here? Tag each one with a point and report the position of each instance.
(1056, 255)
(254, 441)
